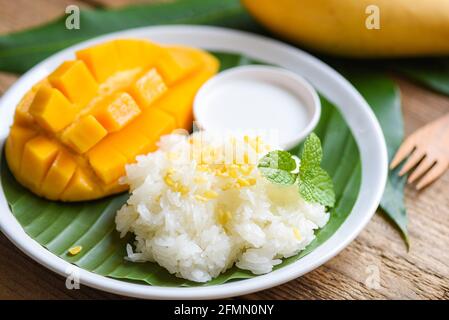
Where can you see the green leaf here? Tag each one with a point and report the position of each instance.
(21, 50)
(312, 153)
(316, 186)
(383, 96)
(59, 226)
(430, 72)
(277, 167)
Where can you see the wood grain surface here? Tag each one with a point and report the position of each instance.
(421, 273)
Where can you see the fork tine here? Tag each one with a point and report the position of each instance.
(403, 151)
(437, 170)
(412, 161)
(422, 167)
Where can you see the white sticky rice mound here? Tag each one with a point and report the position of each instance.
(198, 222)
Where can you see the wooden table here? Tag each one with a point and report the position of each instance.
(421, 273)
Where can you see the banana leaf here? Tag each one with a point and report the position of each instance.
(384, 98)
(21, 50)
(430, 72)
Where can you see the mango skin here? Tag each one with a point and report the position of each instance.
(126, 106)
(408, 28)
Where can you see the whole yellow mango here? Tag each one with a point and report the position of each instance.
(74, 131)
(359, 28)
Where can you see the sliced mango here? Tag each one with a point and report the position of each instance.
(22, 115)
(15, 144)
(154, 123)
(148, 88)
(179, 99)
(51, 109)
(175, 65)
(75, 130)
(102, 60)
(79, 187)
(116, 111)
(135, 53)
(38, 155)
(84, 134)
(67, 79)
(131, 143)
(151, 53)
(59, 175)
(107, 163)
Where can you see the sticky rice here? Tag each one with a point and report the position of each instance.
(197, 211)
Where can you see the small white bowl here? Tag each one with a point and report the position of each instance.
(259, 98)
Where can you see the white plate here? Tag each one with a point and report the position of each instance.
(327, 81)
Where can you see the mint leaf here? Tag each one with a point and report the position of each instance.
(316, 186)
(314, 183)
(277, 167)
(312, 154)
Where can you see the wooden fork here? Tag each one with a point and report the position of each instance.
(428, 151)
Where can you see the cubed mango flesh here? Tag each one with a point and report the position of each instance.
(16, 143)
(59, 175)
(67, 79)
(38, 155)
(101, 59)
(51, 109)
(75, 130)
(135, 53)
(116, 111)
(179, 98)
(175, 65)
(107, 163)
(148, 88)
(79, 187)
(84, 133)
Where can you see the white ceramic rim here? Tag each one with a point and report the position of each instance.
(333, 86)
(253, 71)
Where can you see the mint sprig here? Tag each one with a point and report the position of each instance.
(314, 183)
(277, 166)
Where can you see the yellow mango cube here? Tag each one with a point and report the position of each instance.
(84, 134)
(130, 53)
(130, 142)
(107, 163)
(22, 115)
(116, 111)
(79, 187)
(69, 77)
(178, 100)
(59, 175)
(154, 123)
(148, 88)
(151, 53)
(51, 109)
(102, 60)
(175, 65)
(17, 139)
(135, 53)
(38, 154)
